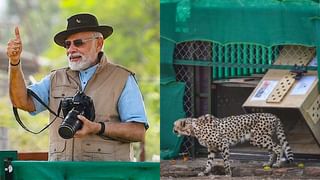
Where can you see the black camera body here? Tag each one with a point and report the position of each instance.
(79, 104)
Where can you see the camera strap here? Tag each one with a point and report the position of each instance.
(16, 114)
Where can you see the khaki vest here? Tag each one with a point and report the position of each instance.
(104, 88)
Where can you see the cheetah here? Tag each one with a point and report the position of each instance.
(218, 134)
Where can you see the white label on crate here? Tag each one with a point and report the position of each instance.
(264, 90)
(314, 62)
(303, 85)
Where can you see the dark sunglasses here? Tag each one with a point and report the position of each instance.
(77, 42)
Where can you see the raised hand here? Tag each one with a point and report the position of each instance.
(14, 48)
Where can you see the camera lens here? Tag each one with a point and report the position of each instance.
(70, 125)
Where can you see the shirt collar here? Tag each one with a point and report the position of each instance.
(89, 71)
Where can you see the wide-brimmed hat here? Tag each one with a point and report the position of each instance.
(81, 23)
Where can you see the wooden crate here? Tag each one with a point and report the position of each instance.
(298, 97)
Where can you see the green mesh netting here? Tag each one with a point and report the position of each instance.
(264, 22)
(171, 110)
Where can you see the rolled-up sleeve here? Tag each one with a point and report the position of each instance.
(130, 105)
(42, 89)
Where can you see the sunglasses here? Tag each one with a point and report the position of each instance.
(77, 42)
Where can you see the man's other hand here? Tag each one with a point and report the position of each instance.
(88, 127)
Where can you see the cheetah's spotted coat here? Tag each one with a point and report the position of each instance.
(218, 134)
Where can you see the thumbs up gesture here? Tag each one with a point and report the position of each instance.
(14, 48)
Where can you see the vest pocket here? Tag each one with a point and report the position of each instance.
(57, 151)
(106, 150)
(98, 150)
(63, 92)
(58, 93)
(102, 147)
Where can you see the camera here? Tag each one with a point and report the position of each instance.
(79, 104)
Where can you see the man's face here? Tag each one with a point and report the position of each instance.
(82, 50)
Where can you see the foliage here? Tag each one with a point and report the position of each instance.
(35, 19)
(134, 44)
(20, 139)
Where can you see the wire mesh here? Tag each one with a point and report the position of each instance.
(195, 50)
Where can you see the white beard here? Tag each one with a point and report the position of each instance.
(82, 64)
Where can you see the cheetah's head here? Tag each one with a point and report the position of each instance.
(184, 127)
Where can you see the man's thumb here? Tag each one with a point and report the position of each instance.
(17, 33)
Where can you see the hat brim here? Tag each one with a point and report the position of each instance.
(60, 37)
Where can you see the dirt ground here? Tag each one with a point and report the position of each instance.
(241, 169)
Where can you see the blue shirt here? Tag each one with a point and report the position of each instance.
(130, 105)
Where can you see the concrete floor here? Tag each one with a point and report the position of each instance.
(242, 169)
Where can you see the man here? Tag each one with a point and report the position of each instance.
(120, 116)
